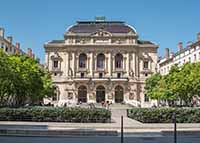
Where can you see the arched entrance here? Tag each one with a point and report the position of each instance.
(119, 94)
(100, 94)
(82, 94)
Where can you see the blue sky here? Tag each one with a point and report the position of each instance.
(34, 22)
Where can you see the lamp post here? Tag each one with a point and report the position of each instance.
(122, 130)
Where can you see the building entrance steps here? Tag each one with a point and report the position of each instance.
(116, 117)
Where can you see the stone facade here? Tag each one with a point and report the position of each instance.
(191, 53)
(6, 43)
(101, 61)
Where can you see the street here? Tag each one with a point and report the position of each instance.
(128, 139)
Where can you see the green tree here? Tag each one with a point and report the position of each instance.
(22, 81)
(151, 85)
(181, 84)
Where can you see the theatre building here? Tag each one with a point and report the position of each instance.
(101, 61)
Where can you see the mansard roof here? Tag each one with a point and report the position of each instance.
(144, 42)
(57, 42)
(118, 27)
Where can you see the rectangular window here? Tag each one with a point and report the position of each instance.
(189, 59)
(55, 64)
(6, 49)
(55, 97)
(100, 75)
(118, 75)
(146, 65)
(82, 75)
(195, 57)
(199, 55)
(2, 45)
(146, 98)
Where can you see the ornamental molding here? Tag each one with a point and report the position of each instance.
(101, 33)
(56, 56)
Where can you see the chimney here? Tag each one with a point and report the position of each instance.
(180, 46)
(9, 38)
(17, 46)
(2, 32)
(189, 43)
(198, 36)
(29, 53)
(167, 53)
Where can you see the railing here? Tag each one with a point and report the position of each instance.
(134, 103)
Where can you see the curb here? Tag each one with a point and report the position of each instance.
(76, 132)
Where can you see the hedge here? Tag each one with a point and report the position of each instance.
(55, 114)
(165, 115)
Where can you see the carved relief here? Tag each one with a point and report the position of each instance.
(131, 73)
(101, 33)
(70, 56)
(92, 96)
(70, 95)
(110, 96)
(131, 95)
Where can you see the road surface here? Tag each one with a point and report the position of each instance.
(127, 139)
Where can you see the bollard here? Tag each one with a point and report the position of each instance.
(122, 130)
(174, 120)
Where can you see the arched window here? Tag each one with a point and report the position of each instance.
(56, 93)
(118, 61)
(82, 60)
(100, 61)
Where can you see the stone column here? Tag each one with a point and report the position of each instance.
(95, 62)
(124, 63)
(76, 61)
(66, 64)
(106, 64)
(91, 64)
(73, 65)
(68, 59)
(47, 59)
(137, 65)
(113, 63)
(127, 64)
(133, 63)
(110, 64)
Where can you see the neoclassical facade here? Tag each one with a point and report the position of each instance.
(101, 61)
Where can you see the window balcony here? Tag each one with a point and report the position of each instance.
(82, 69)
(119, 69)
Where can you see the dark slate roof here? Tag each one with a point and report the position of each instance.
(93, 26)
(57, 41)
(144, 42)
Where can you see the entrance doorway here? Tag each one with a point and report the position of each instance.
(82, 94)
(100, 94)
(119, 94)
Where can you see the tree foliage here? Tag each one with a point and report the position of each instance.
(181, 84)
(22, 81)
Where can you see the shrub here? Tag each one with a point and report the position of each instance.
(55, 114)
(164, 115)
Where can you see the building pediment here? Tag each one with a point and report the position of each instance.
(146, 57)
(56, 56)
